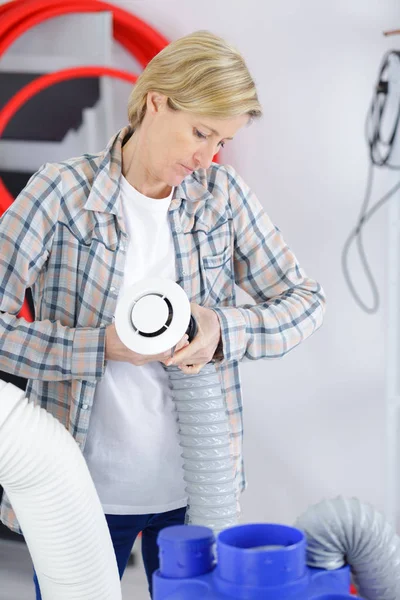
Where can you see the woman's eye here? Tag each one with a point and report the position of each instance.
(200, 135)
(203, 136)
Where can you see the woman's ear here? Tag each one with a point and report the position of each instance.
(156, 102)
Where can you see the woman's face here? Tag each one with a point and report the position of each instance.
(179, 142)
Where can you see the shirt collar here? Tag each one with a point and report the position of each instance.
(104, 194)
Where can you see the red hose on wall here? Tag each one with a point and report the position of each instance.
(36, 86)
(141, 40)
(18, 16)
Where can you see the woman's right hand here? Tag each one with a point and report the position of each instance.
(116, 350)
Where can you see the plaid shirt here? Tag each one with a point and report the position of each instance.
(64, 236)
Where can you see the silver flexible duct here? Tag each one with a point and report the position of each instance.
(209, 469)
(151, 317)
(48, 483)
(344, 531)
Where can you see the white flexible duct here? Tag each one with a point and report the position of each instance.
(50, 488)
(344, 531)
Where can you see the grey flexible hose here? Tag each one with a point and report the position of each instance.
(344, 531)
(151, 317)
(209, 468)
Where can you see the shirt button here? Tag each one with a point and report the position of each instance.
(183, 272)
(178, 229)
(112, 289)
(122, 246)
(85, 407)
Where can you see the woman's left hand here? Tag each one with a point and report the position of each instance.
(200, 351)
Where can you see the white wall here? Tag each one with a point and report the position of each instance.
(314, 421)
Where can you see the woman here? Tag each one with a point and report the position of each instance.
(151, 204)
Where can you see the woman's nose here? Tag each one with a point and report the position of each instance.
(203, 158)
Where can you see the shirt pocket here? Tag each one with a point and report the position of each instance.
(218, 278)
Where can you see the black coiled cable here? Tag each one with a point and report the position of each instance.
(380, 151)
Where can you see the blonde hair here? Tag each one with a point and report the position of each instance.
(199, 73)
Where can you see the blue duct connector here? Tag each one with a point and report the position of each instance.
(256, 561)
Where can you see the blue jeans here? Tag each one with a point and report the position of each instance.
(124, 530)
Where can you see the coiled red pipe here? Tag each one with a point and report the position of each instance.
(36, 86)
(18, 16)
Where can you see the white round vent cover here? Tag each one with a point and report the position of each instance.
(152, 315)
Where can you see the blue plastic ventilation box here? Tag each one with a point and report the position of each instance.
(255, 562)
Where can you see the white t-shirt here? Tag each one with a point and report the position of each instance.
(132, 449)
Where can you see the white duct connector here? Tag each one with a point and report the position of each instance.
(48, 483)
(345, 531)
(151, 317)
